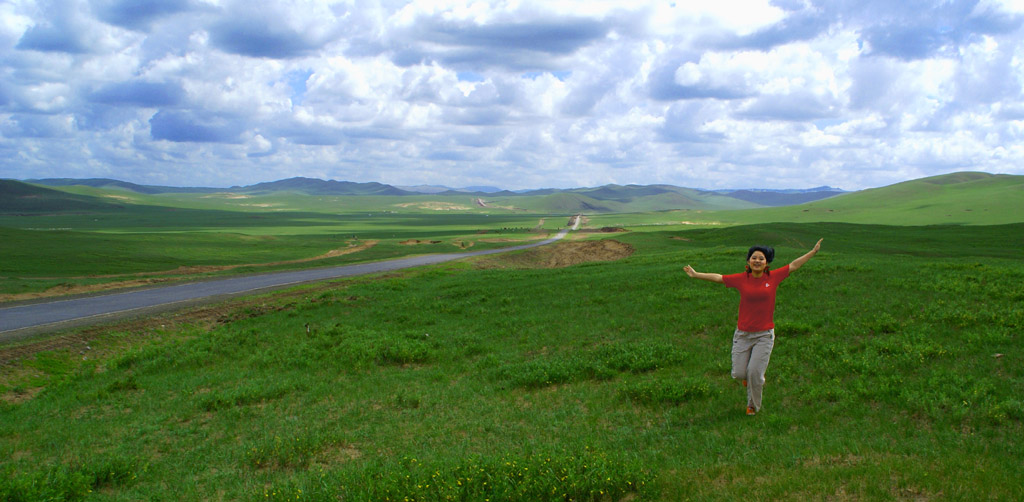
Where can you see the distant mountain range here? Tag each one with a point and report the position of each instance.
(957, 198)
(313, 186)
(783, 197)
(432, 189)
(124, 185)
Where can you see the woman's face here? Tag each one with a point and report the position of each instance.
(757, 262)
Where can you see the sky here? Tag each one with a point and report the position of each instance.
(514, 94)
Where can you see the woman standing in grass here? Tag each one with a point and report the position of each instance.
(755, 329)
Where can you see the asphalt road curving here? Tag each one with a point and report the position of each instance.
(24, 321)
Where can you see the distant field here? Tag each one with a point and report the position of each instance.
(64, 261)
(896, 376)
(64, 241)
(141, 239)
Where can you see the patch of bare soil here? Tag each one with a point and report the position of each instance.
(435, 206)
(20, 395)
(413, 242)
(74, 289)
(561, 254)
(120, 197)
(525, 238)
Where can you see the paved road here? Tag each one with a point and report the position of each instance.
(27, 320)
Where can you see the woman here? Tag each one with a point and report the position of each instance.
(755, 328)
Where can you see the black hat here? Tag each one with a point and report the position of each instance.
(769, 252)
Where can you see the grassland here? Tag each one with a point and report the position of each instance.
(148, 238)
(896, 375)
(114, 231)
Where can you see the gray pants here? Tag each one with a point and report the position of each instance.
(750, 354)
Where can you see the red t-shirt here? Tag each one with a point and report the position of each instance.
(757, 298)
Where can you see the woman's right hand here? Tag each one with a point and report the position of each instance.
(705, 276)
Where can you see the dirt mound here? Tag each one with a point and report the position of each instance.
(562, 254)
(602, 230)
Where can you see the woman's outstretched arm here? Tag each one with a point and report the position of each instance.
(799, 262)
(703, 275)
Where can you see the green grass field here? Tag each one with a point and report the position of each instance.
(114, 231)
(897, 375)
(62, 251)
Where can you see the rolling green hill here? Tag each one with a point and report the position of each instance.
(308, 186)
(620, 199)
(967, 198)
(311, 186)
(784, 198)
(22, 198)
(118, 184)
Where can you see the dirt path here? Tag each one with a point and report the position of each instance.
(561, 254)
(30, 318)
(72, 289)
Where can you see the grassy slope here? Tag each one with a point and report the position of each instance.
(961, 198)
(605, 378)
(611, 201)
(22, 198)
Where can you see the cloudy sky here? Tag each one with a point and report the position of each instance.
(515, 94)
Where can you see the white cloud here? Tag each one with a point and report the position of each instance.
(516, 93)
(734, 16)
